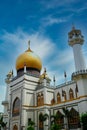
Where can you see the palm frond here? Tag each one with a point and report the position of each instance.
(43, 117)
(66, 112)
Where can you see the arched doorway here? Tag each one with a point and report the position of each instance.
(41, 127)
(15, 127)
(74, 120)
(16, 107)
(71, 94)
(58, 98)
(60, 119)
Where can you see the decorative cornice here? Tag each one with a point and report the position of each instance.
(79, 76)
(76, 41)
(5, 103)
(84, 96)
(75, 37)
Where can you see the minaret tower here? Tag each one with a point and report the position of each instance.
(6, 102)
(76, 41)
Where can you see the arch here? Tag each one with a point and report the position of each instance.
(16, 107)
(76, 90)
(74, 121)
(65, 97)
(41, 121)
(38, 100)
(71, 94)
(42, 99)
(53, 101)
(76, 93)
(58, 98)
(60, 119)
(15, 127)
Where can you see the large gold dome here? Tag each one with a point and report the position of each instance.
(30, 59)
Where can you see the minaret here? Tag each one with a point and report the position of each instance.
(76, 41)
(6, 102)
(8, 79)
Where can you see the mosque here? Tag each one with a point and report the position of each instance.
(29, 94)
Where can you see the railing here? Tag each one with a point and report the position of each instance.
(4, 102)
(63, 84)
(79, 72)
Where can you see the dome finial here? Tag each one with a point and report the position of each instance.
(54, 80)
(44, 70)
(73, 26)
(29, 44)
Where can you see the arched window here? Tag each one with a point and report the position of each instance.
(71, 95)
(76, 93)
(42, 99)
(58, 98)
(41, 121)
(76, 90)
(16, 107)
(74, 121)
(38, 100)
(65, 98)
(53, 101)
(15, 127)
(60, 119)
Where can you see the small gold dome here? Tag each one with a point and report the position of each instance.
(44, 75)
(30, 59)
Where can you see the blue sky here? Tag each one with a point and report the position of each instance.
(46, 24)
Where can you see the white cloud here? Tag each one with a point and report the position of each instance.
(39, 44)
(57, 3)
(67, 7)
(63, 61)
(64, 57)
(42, 46)
(78, 10)
(49, 20)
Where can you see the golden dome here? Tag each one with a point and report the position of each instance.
(30, 59)
(44, 75)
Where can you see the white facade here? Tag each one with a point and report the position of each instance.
(28, 96)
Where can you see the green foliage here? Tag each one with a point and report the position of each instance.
(2, 123)
(55, 117)
(66, 112)
(55, 126)
(31, 125)
(42, 117)
(30, 128)
(84, 120)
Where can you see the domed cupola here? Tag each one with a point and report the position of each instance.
(44, 79)
(30, 61)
